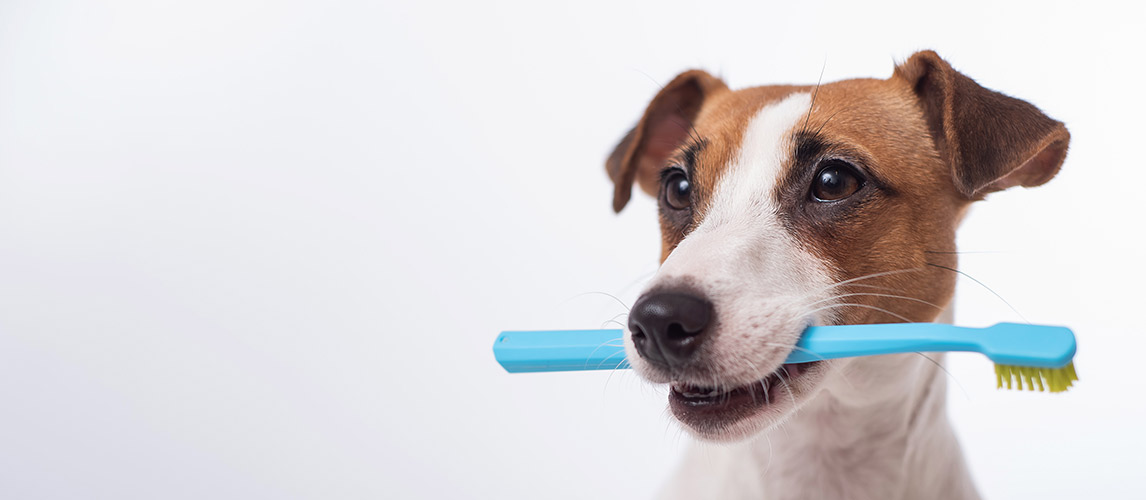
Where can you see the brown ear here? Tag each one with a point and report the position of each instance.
(991, 141)
(642, 153)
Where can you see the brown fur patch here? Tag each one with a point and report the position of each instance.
(928, 140)
(908, 209)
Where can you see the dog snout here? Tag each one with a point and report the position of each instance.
(667, 327)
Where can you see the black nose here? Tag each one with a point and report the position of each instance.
(667, 327)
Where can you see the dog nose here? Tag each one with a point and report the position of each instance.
(667, 327)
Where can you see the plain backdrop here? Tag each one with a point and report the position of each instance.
(262, 249)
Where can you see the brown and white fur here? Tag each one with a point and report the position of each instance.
(765, 240)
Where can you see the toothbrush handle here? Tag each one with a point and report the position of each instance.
(560, 350)
(1037, 346)
(831, 342)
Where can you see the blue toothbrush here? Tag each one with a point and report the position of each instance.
(1033, 353)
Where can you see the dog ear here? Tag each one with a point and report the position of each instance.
(991, 141)
(667, 122)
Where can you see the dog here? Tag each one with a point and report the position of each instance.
(787, 206)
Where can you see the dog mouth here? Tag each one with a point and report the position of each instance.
(709, 410)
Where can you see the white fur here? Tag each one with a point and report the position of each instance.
(866, 428)
(877, 429)
(744, 261)
(746, 184)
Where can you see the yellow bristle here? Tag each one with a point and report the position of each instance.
(1052, 379)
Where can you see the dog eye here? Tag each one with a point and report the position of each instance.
(677, 190)
(835, 181)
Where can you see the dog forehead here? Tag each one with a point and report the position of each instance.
(725, 118)
(884, 122)
(879, 118)
(747, 138)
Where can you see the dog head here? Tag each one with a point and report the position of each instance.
(788, 206)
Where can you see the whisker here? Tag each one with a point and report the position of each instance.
(815, 93)
(835, 368)
(787, 387)
(638, 280)
(980, 283)
(769, 441)
(877, 287)
(650, 77)
(611, 296)
(904, 297)
(613, 319)
(833, 115)
(794, 348)
(963, 252)
(618, 323)
(874, 275)
(949, 374)
(608, 343)
(880, 309)
(849, 282)
(616, 368)
(619, 363)
(755, 369)
(691, 130)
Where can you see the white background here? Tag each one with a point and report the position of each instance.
(261, 250)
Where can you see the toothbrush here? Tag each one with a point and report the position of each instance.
(1040, 355)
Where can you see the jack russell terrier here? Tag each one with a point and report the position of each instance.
(788, 206)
